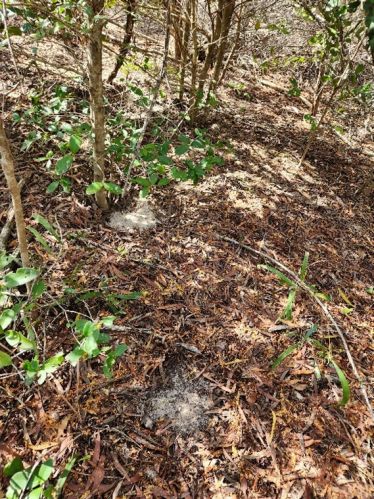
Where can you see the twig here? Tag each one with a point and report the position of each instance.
(323, 307)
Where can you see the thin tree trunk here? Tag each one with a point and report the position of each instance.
(175, 8)
(129, 31)
(7, 164)
(227, 14)
(185, 46)
(235, 46)
(212, 50)
(194, 56)
(95, 76)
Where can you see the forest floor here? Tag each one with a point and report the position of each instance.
(194, 408)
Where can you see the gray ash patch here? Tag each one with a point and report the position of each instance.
(184, 404)
(141, 218)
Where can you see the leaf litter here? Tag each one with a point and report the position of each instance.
(269, 433)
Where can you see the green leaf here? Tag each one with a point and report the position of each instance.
(14, 31)
(153, 178)
(287, 312)
(18, 483)
(113, 188)
(345, 384)
(284, 279)
(16, 339)
(179, 174)
(94, 188)
(63, 164)
(5, 359)
(108, 321)
(52, 187)
(136, 90)
(165, 160)
(163, 181)
(141, 181)
(283, 355)
(5, 260)
(13, 467)
(46, 224)
(346, 310)
(36, 493)
(74, 356)
(313, 329)
(38, 289)
(53, 363)
(6, 318)
(323, 296)
(75, 143)
(63, 477)
(182, 149)
(198, 144)
(40, 239)
(370, 290)
(120, 350)
(145, 191)
(20, 277)
(41, 474)
(111, 359)
(90, 346)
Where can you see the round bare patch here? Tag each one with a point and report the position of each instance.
(184, 404)
(141, 218)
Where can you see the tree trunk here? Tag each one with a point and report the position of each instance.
(210, 58)
(95, 76)
(129, 30)
(7, 164)
(185, 47)
(227, 14)
(175, 9)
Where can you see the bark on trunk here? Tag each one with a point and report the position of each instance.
(185, 46)
(129, 31)
(227, 13)
(175, 8)
(95, 76)
(7, 164)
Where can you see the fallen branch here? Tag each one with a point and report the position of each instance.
(323, 307)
